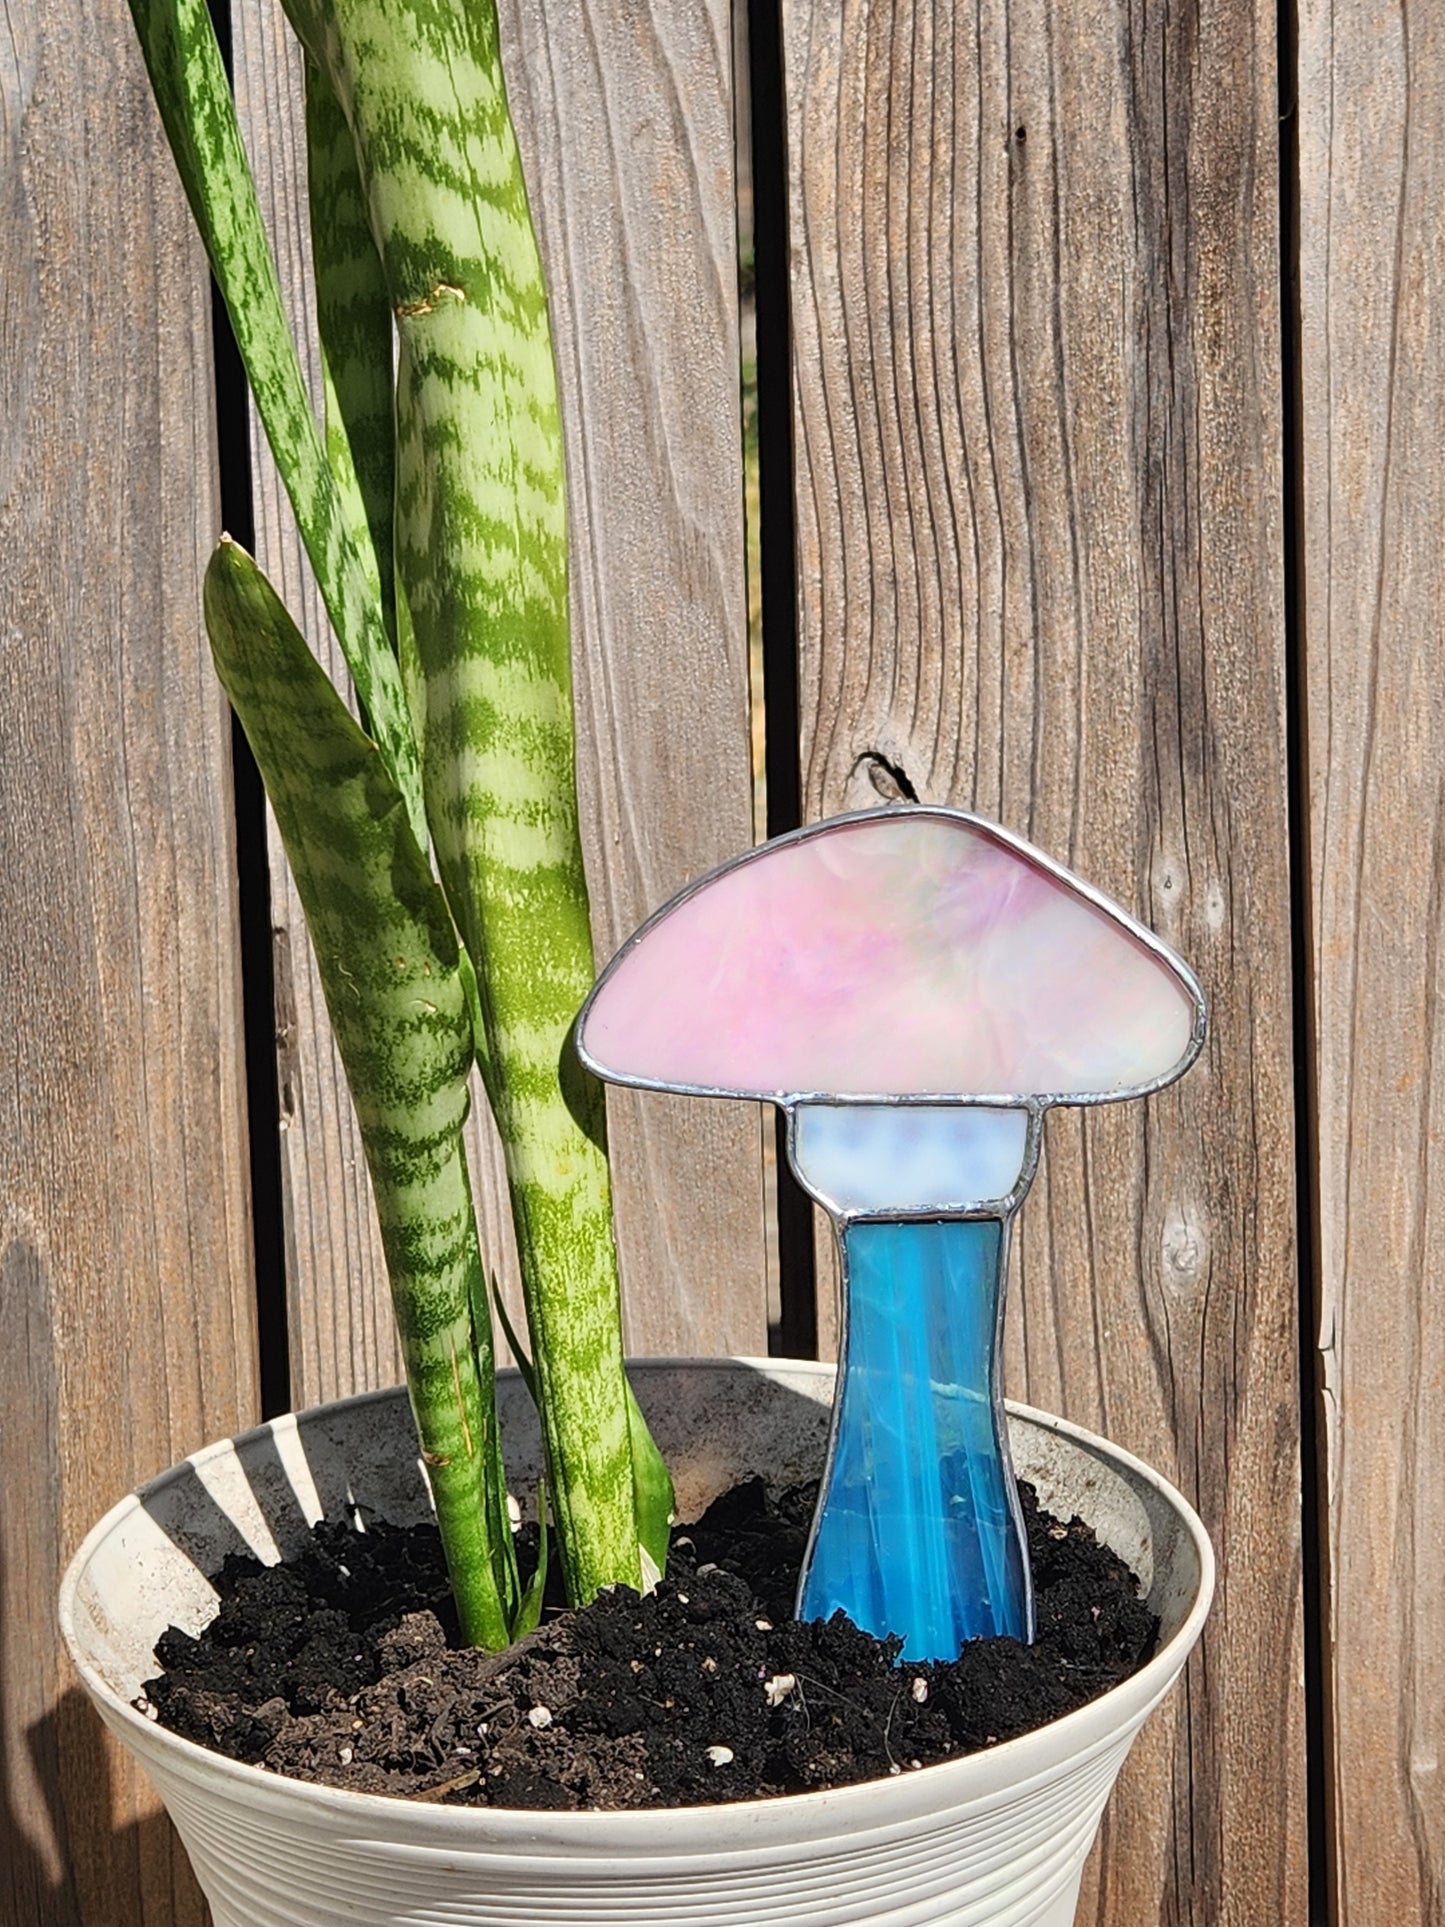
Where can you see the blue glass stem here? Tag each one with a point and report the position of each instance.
(919, 1531)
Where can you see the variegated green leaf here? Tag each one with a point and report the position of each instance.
(353, 323)
(388, 958)
(651, 1480)
(529, 1612)
(652, 1494)
(482, 567)
(189, 81)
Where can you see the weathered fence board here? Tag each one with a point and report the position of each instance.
(126, 1328)
(1372, 266)
(1040, 560)
(642, 252)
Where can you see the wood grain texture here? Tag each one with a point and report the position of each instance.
(628, 142)
(1038, 500)
(1372, 173)
(126, 1297)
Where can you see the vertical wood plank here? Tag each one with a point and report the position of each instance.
(1372, 173)
(1038, 498)
(126, 1302)
(627, 137)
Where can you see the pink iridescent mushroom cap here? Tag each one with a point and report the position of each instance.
(912, 952)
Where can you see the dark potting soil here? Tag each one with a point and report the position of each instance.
(344, 1666)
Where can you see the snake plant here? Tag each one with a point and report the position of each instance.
(435, 840)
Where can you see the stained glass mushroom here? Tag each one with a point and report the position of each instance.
(915, 987)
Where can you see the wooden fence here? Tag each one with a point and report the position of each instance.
(1102, 492)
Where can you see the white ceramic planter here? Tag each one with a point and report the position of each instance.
(997, 1838)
